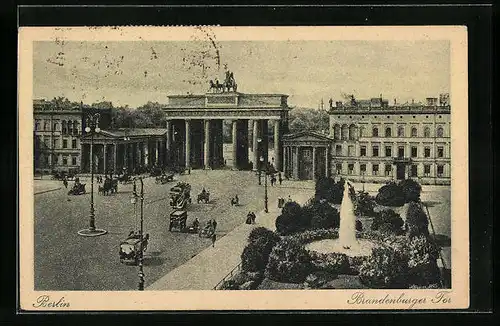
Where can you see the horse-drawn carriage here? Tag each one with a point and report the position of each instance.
(124, 178)
(78, 189)
(209, 229)
(164, 178)
(204, 196)
(180, 195)
(110, 186)
(178, 222)
(130, 248)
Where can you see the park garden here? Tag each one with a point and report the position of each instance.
(398, 251)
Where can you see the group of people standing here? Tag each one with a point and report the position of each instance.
(273, 179)
(251, 218)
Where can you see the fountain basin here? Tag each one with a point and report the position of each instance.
(359, 247)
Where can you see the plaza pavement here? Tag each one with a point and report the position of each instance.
(210, 266)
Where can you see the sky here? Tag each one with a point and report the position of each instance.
(133, 73)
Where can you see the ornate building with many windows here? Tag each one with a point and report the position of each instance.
(376, 142)
(372, 141)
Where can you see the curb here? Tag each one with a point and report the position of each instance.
(44, 191)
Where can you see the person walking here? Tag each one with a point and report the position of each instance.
(65, 182)
(214, 237)
(280, 179)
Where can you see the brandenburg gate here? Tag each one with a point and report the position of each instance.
(194, 137)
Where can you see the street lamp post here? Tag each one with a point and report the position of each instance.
(92, 127)
(141, 232)
(265, 185)
(259, 168)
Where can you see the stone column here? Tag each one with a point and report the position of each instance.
(206, 150)
(104, 162)
(146, 153)
(277, 145)
(314, 163)
(296, 162)
(157, 150)
(255, 145)
(115, 156)
(235, 145)
(327, 170)
(168, 142)
(285, 160)
(188, 143)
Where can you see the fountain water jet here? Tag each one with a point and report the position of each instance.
(347, 242)
(347, 230)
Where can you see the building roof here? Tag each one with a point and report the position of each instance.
(130, 132)
(307, 135)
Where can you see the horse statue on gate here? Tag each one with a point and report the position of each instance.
(230, 82)
(216, 87)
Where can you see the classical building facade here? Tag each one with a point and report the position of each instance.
(57, 134)
(373, 141)
(122, 149)
(194, 128)
(376, 142)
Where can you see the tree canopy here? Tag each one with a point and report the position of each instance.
(305, 119)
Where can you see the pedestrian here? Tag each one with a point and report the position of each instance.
(253, 217)
(65, 182)
(289, 199)
(280, 179)
(214, 237)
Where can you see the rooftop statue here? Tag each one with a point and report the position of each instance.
(228, 85)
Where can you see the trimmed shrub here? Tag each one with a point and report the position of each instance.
(422, 261)
(355, 263)
(322, 214)
(262, 232)
(333, 263)
(292, 219)
(385, 268)
(359, 226)
(416, 221)
(313, 235)
(388, 222)
(390, 194)
(411, 190)
(289, 261)
(328, 189)
(256, 254)
(230, 285)
(364, 204)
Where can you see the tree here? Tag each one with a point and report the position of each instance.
(305, 119)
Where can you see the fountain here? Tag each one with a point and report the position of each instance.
(347, 243)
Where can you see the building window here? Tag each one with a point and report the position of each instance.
(414, 132)
(440, 171)
(361, 131)
(55, 158)
(362, 168)
(427, 170)
(388, 151)
(375, 151)
(388, 132)
(307, 153)
(440, 131)
(350, 168)
(336, 132)
(362, 151)
(65, 160)
(413, 170)
(414, 151)
(352, 132)
(65, 143)
(64, 128)
(375, 132)
(350, 150)
(73, 143)
(427, 132)
(375, 169)
(388, 170)
(338, 167)
(73, 161)
(37, 126)
(401, 151)
(55, 143)
(338, 150)
(56, 126)
(401, 131)
(345, 132)
(427, 152)
(46, 126)
(440, 151)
